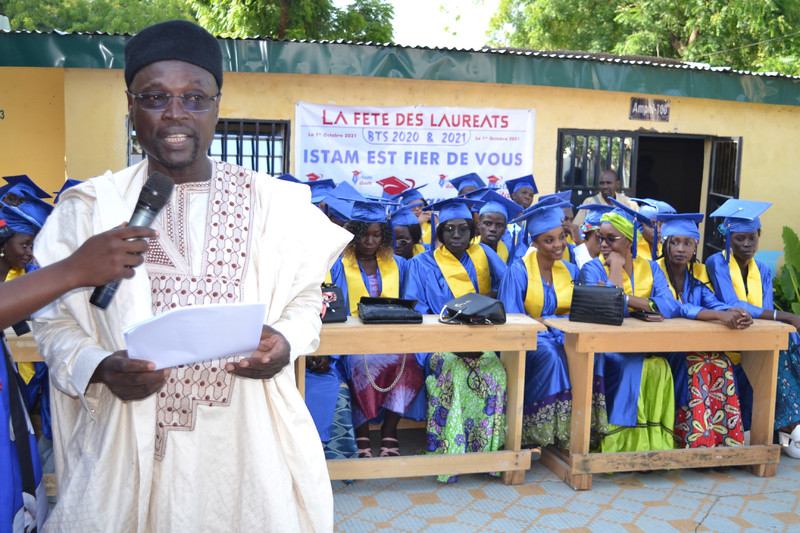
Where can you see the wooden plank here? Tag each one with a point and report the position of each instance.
(353, 337)
(429, 465)
(581, 371)
(514, 361)
(676, 334)
(671, 459)
(23, 349)
(761, 368)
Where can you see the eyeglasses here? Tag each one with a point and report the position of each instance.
(461, 228)
(609, 240)
(158, 101)
(402, 242)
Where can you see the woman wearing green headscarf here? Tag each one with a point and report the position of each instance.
(638, 387)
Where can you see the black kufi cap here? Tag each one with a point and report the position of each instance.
(173, 40)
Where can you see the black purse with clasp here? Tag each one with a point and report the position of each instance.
(597, 304)
(473, 308)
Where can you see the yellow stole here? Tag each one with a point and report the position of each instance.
(641, 274)
(562, 283)
(417, 249)
(502, 249)
(328, 279)
(14, 273)
(426, 232)
(390, 280)
(753, 294)
(456, 275)
(569, 239)
(698, 272)
(644, 250)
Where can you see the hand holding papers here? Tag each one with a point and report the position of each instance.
(198, 333)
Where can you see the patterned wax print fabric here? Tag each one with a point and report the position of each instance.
(382, 381)
(466, 405)
(712, 416)
(787, 403)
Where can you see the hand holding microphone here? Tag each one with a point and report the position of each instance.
(154, 196)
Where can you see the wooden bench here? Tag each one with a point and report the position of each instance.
(511, 339)
(760, 345)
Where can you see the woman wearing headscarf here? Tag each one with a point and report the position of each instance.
(540, 285)
(740, 280)
(466, 391)
(707, 406)
(382, 385)
(638, 387)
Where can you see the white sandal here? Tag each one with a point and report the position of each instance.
(790, 443)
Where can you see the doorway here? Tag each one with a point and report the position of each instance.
(670, 168)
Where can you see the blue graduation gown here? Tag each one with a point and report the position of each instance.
(426, 283)
(622, 373)
(546, 370)
(720, 276)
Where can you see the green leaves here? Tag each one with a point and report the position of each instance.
(787, 285)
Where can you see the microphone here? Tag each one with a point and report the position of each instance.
(154, 196)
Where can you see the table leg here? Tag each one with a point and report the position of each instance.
(761, 368)
(514, 361)
(581, 372)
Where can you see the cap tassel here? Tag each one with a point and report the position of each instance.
(635, 244)
(728, 243)
(655, 242)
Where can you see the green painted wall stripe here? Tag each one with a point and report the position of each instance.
(106, 51)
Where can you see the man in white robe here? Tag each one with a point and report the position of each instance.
(206, 447)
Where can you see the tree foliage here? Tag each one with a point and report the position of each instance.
(112, 16)
(761, 35)
(363, 20)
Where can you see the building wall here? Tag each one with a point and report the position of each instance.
(32, 124)
(73, 122)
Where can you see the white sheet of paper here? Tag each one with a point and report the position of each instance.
(197, 333)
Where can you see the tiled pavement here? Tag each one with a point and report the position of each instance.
(729, 499)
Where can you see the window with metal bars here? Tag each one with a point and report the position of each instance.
(584, 154)
(261, 145)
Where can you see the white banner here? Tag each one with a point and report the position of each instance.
(395, 148)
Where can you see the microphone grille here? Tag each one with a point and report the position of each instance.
(156, 191)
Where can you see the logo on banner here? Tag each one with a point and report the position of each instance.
(314, 177)
(394, 185)
(493, 181)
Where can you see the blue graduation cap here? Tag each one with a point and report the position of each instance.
(288, 177)
(632, 217)
(453, 208)
(68, 184)
(542, 218)
(403, 216)
(407, 196)
(319, 189)
(495, 203)
(359, 210)
(21, 184)
(650, 207)
(467, 180)
(27, 217)
(740, 216)
(555, 198)
(344, 191)
(594, 213)
(518, 183)
(683, 224)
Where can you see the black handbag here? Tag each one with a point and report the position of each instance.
(473, 308)
(388, 311)
(333, 304)
(597, 304)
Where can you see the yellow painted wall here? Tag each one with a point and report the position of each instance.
(32, 125)
(92, 119)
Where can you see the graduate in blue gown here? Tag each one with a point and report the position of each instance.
(522, 191)
(466, 391)
(740, 280)
(384, 387)
(452, 270)
(638, 387)
(540, 285)
(708, 412)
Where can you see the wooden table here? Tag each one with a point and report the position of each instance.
(760, 345)
(511, 339)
